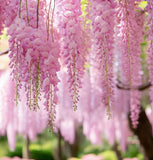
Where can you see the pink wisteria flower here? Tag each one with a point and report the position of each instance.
(150, 46)
(128, 42)
(14, 158)
(69, 24)
(130, 159)
(34, 54)
(102, 15)
(18, 120)
(92, 157)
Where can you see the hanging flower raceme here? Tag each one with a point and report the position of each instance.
(8, 12)
(150, 49)
(103, 22)
(6, 101)
(29, 122)
(66, 124)
(69, 24)
(34, 56)
(136, 64)
(131, 34)
(86, 29)
(2, 17)
(19, 119)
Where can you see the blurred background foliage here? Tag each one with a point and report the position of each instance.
(45, 147)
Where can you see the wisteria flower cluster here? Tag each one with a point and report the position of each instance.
(131, 21)
(69, 22)
(103, 22)
(18, 120)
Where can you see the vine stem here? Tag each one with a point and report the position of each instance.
(30, 89)
(51, 108)
(106, 70)
(129, 52)
(38, 13)
(37, 85)
(52, 22)
(48, 17)
(17, 77)
(75, 85)
(20, 8)
(27, 11)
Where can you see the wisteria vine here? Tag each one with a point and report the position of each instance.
(49, 37)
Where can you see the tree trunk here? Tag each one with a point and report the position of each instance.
(26, 151)
(60, 145)
(74, 148)
(117, 151)
(144, 133)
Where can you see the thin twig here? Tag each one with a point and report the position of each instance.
(140, 88)
(4, 52)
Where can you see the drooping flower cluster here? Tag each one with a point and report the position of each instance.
(150, 48)
(66, 124)
(129, 40)
(8, 12)
(2, 18)
(34, 56)
(18, 120)
(69, 24)
(135, 104)
(103, 22)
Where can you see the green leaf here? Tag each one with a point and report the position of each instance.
(142, 4)
(4, 35)
(86, 65)
(143, 56)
